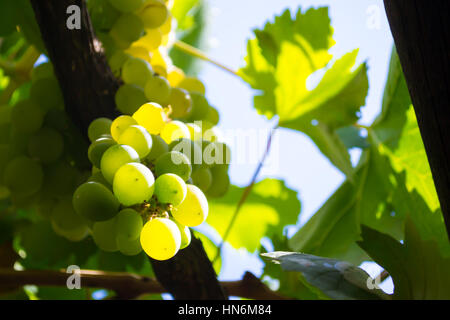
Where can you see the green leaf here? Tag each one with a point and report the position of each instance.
(337, 279)
(352, 138)
(210, 249)
(416, 266)
(7, 20)
(268, 209)
(280, 61)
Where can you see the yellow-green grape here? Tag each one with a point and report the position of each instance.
(128, 247)
(95, 202)
(127, 29)
(98, 177)
(137, 71)
(180, 101)
(160, 238)
(151, 116)
(185, 235)
(27, 117)
(99, 127)
(220, 182)
(114, 158)
(98, 148)
(23, 176)
(190, 149)
(138, 138)
(61, 178)
(120, 124)
(104, 234)
(42, 71)
(213, 116)
(159, 147)
(202, 178)
(200, 107)
(175, 76)
(174, 162)
(127, 5)
(59, 120)
(151, 40)
(167, 26)
(157, 89)
(5, 157)
(208, 153)
(192, 84)
(212, 133)
(46, 93)
(154, 14)
(222, 153)
(193, 211)
(129, 98)
(129, 224)
(133, 184)
(174, 130)
(195, 131)
(170, 188)
(67, 223)
(46, 145)
(5, 114)
(103, 15)
(117, 60)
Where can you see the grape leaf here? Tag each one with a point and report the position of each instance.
(416, 266)
(281, 59)
(268, 209)
(337, 279)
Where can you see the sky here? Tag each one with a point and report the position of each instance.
(293, 157)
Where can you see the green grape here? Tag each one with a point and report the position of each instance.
(138, 138)
(157, 89)
(133, 184)
(174, 162)
(202, 178)
(180, 102)
(129, 224)
(200, 107)
(159, 147)
(67, 222)
(61, 178)
(137, 71)
(170, 188)
(18, 143)
(127, 5)
(98, 148)
(5, 129)
(116, 62)
(46, 145)
(27, 117)
(192, 85)
(104, 234)
(98, 177)
(222, 153)
(102, 14)
(128, 247)
(185, 235)
(208, 153)
(195, 131)
(160, 238)
(193, 211)
(95, 202)
(127, 29)
(190, 149)
(45, 204)
(151, 40)
(129, 98)
(47, 93)
(42, 71)
(174, 130)
(154, 14)
(23, 176)
(5, 157)
(220, 182)
(58, 120)
(151, 116)
(98, 127)
(114, 158)
(213, 116)
(120, 124)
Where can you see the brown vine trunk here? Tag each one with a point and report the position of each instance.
(88, 87)
(421, 31)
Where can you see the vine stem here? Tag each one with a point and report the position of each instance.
(246, 193)
(201, 55)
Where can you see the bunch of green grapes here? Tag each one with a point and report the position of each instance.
(142, 194)
(40, 155)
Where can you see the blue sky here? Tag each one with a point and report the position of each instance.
(357, 24)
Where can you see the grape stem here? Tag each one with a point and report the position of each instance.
(201, 55)
(246, 193)
(127, 285)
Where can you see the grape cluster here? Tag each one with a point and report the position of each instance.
(141, 195)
